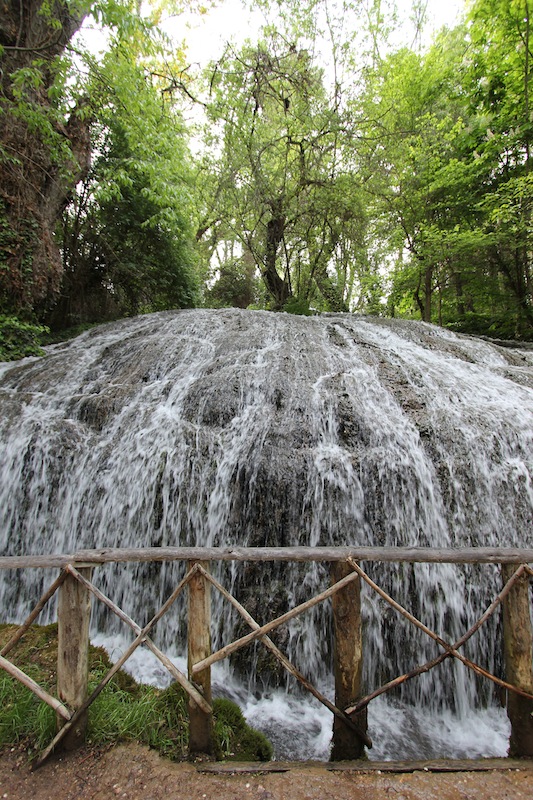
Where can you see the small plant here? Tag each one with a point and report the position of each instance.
(297, 305)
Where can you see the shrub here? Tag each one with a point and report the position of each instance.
(19, 339)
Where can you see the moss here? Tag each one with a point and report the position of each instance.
(234, 738)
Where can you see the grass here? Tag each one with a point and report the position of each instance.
(124, 710)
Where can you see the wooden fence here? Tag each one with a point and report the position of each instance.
(350, 737)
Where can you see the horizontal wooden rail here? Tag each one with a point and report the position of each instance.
(450, 555)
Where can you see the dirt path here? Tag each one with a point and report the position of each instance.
(137, 773)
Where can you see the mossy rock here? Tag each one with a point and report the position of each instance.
(36, 654)
(234, 738)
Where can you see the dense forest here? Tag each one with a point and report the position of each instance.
(319, 166)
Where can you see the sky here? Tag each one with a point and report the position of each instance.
(444, 12)
(207, 35)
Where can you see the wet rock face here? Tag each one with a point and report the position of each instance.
(221, 427)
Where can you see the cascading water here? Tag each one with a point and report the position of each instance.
(236, 427)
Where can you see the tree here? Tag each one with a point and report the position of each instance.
(66, 255)
(280, 173)
(449, 173)
(236, 283)
(500, 86)
(128, 244)
(410, 137)
(405, 176)
(44, 145)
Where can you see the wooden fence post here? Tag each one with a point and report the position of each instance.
(73, 620)
(199, 647)
(348, 663)
(518, 652)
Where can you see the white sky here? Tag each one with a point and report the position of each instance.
(207, 35)
(444, 12)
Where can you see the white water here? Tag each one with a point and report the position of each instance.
(204, 427)
(299, 727)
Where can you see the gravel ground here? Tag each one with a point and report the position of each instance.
(137, 773)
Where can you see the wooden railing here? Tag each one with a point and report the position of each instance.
(350, 737)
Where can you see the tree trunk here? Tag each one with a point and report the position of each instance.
(277, 287)
(428, 290)
(42, 154)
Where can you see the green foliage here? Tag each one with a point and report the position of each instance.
(236, 285)
(392, 181)
(451, 174)
(51, 98)
(128, 235)
(19, 339)
(16, 248)
(42, 94)
(297, 305)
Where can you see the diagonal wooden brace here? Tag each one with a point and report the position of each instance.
(37, 690)
(288, 664)
(270, 626)
(174, 671)
(450, 650)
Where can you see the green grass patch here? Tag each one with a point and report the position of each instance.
(124, 710)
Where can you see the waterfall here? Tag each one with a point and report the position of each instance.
(229, 427)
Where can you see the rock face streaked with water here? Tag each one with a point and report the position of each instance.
(237, 427)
